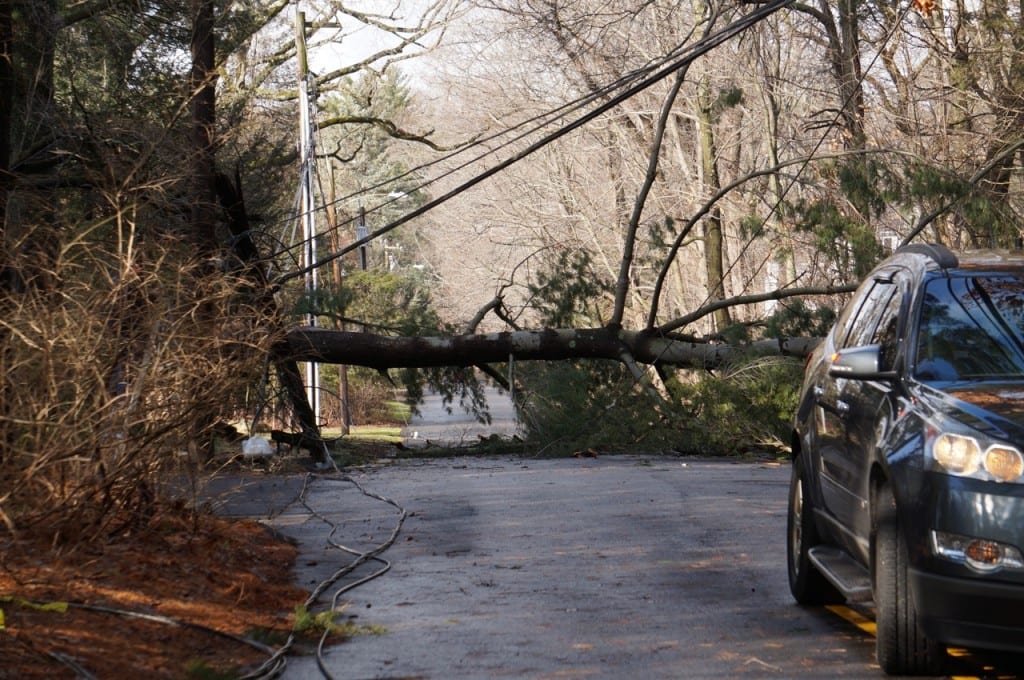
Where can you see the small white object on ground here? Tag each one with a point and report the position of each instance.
(256, 447)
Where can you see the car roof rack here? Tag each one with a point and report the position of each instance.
(943, 256)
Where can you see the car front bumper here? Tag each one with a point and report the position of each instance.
(957, 605)
(969, 612)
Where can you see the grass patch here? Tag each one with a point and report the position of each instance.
(268, 636)
(314, 625)
(399, 411)
(379, 433)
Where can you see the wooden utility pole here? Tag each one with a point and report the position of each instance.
(334, 235)
(306, 208)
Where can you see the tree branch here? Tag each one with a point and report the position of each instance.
(677, 244)
(388, 127)
(622, 285)
(753, 299)
(925, 220)
(89, 9)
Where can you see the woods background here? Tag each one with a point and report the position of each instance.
(702, 175)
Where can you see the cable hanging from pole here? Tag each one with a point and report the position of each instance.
(307, 213)
(525, 129)
(687, 56)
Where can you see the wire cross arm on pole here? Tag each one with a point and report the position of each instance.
(700, 48)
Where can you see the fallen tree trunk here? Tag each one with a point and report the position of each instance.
(383, 352)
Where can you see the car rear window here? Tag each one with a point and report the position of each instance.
(971, 329)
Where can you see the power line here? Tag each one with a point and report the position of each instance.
(535, 123)
(688, 55)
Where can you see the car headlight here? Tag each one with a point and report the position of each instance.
(977, 553)
(973, 455)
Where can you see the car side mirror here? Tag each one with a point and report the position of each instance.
(859, 363)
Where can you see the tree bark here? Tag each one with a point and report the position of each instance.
(383, 352)
(714, 237)
(291, 380)
(204, 119)
(6, 107)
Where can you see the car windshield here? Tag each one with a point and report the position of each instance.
(971, 329)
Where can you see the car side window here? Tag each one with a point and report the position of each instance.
(851, 312)
(887, 332)
(876, 305)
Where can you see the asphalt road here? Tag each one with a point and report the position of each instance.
(444, 424)
(610, 567)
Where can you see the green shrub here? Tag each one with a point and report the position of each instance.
(748, 406)
(745, 406)
(572, 405)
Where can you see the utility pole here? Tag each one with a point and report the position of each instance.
(306, 212)
(334, 235)
(362, 232)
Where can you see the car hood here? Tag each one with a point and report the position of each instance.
(997, 405)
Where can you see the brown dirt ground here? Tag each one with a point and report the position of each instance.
(233, 576)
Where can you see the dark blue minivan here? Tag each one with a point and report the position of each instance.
(908, 457)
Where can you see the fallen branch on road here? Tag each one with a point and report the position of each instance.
(383, 352)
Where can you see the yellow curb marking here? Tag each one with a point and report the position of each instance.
(869, 627)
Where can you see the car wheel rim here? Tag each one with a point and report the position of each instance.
(796, 526)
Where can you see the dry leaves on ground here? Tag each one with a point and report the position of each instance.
(231, 576)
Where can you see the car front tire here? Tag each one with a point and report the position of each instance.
(900, 646)
(806, 583)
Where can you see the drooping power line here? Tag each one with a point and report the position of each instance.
(686, 56)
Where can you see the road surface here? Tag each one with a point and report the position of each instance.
(609, 567)
(435, 425)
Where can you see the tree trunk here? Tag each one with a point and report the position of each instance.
(849, 74)
(233, 204)
(6, 105)
(714, 240)
(202, 89)
(291, 379)
(383, 352)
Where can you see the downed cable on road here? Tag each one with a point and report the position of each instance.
(273, 666)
